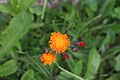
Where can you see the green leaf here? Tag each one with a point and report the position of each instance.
(114, 77)
(116, 13)
(28, 75)
(8, 68)
(107, 7)
(5, 8)
(64, 74)
(91, 7)
(59, 77)
(14, 6)
(92, 4)
(36, 10)
(14, 3)
(115, 28)
(93, 63)
(21, 5)
(89, 12)
(38, 77)
(42, 41)
(24, 4)
(109, 39)
(117, 65)
(78, 68)
(18, 27)
(71, 63)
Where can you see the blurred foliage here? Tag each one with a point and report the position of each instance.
(24, 36)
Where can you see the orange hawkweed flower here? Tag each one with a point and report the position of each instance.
(48, 58)
(59, 42)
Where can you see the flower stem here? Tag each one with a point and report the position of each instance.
(44, 7)
(69, 72)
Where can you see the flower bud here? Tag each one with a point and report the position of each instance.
(75, 49)
(82, 44)
(65, 56)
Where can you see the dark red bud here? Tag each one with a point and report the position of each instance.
(75, 49)
(65, 56)
(82, 44)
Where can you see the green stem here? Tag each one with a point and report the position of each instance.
(69, 72)
(44, 7)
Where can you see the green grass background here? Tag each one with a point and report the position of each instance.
(24, 36)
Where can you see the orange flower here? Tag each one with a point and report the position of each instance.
(48, 58)
(59, 42)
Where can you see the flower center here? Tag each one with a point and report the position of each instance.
(59, 42)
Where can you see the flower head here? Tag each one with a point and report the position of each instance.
(59, 42)
(48, 58)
